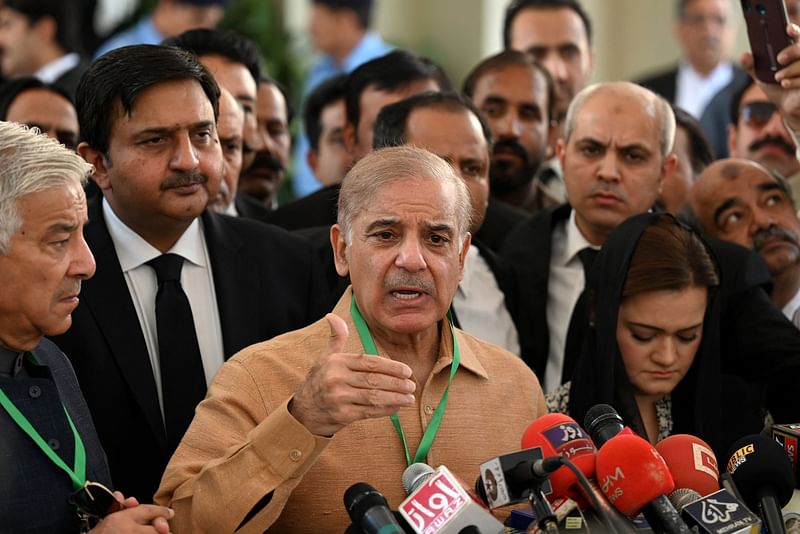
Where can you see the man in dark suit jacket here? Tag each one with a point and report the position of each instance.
(614, 157)
(705, 32)
(147, 114)
(42, 39)
(43, 261)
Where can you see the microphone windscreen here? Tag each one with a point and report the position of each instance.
(631, 473)
(414, 475)
(556, 434)
(760, 466)
(683, 496)
(691, 462)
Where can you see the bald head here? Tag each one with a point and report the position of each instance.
(740, 201)
(626, 95)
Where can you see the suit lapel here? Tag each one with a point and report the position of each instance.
(107, 297)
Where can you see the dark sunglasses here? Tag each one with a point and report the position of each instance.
(758, 114)
(94, 501)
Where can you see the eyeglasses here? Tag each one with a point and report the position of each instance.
(757, 114)
(94, 501)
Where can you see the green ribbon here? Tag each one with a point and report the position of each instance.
(78, 472)
(436, 421)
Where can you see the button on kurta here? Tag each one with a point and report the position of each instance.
(295, 455)
(35, 392)
(428, 409)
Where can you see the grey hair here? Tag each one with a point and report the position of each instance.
(388, 165)
(31, 162)
(649, 100)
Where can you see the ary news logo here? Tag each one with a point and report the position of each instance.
(740, 456)
(568, 439)
(705, 461)
(436, 501)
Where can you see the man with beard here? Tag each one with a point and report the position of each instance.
(740, 201)
(515, 95)
(262, 179)
(178, 289)
(757, 132)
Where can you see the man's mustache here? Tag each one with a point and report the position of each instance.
(773, 140)
(506, 144)
(183, 178)
(265, 160)
(760, 238)
(407, 280)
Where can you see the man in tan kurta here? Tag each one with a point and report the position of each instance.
(291, 423)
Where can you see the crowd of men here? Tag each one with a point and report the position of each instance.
(236, 361)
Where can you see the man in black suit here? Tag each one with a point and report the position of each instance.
(369, 88)
(41, 39)
(147, 116)
(452, 128)
(615, 152)
(705, 32)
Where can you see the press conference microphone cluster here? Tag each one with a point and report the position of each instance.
(631, 472)
(698, 497)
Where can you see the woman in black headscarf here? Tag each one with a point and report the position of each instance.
(653, 348)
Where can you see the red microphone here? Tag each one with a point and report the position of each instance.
(691, 462)
(559, 434)
(631, 473)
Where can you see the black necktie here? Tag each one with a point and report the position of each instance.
(580, 318)
(183, 382)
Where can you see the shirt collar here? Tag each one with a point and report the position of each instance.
(133, 251)
(792, 306)
(53, 70)
(469, 359)
(575, 241)
(465, 287)
(10, 361)
(721, 72)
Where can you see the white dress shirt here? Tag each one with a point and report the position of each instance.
(53, 70)
(197, 281)
(563, 289)
(481, 307)
(792, 309)
(693, 91)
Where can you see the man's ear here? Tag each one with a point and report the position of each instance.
(350, 138)
(732, 138)
(47, 29)
(339, 250)
(667, 168)
(312, 160)
(462, 255)
(100, 162)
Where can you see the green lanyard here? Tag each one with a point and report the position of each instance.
(78, 472)
(433, 427)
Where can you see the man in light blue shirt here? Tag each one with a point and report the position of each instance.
(169, 18)
(340, 31)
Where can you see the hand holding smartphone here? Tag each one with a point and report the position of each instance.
(766, 30)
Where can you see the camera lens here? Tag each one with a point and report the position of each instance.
(761, 9)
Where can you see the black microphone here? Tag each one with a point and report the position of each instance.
(369, 510)
(763, 474)
(471, 529)
(719, 512)
(509, 478)
(603, 422)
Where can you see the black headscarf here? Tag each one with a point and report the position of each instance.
(714, 407)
